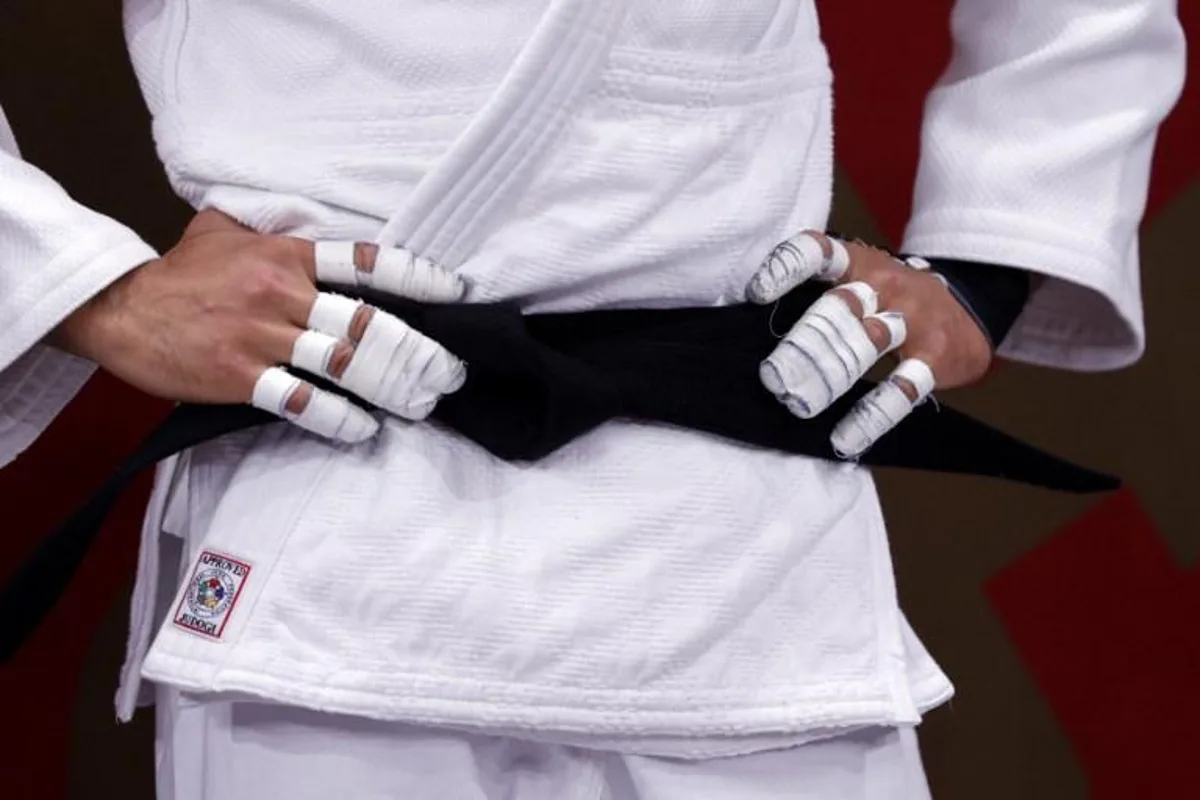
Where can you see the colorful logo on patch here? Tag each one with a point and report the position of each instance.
(211, 592)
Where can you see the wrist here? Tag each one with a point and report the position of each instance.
(93, 331)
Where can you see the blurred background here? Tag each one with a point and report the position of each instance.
(1071, 626)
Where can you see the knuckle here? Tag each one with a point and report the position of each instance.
(888, 280)
(229, 356)
(935, 342)
(276, 249)
(264, 284)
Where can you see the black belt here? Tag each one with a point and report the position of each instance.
(535, 382)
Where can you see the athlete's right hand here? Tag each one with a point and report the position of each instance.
(218, 317)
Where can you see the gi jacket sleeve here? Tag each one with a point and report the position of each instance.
(1036, 152)
(54, 255)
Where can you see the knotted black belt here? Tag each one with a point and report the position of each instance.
(537, 381)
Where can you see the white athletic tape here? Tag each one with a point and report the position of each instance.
(311, 352)
(396, 271)
(838, 263)
(794, 261)
(335, 418)
(897, 328)
(882, 409)
(806, 372)
(849, 342)
(332, 314)
(399, 272)
(868, 298)
(800, 378)
(832, 315)
(790, 264)
(923, 265)
(427, 373)
(272, 390)
(918, 373)
(875, 414)
(400, 369)
(325, 415)
(335, 263)
(826, 351)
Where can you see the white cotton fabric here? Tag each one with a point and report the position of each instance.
(54, 255)
(223, 750)
(1036, 152)
(652, 589)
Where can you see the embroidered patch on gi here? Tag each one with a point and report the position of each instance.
(211, 593)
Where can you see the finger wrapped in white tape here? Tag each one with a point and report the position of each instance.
(882, 409)
(335, 263)
(400, 369)
(326, 414)
(820, 358)
(333, 314)
(402, 273)
(396, 271)
(897, 328)
(868, 298)
(794, 261)
(312, 351)
(838, 261)
(919, 374)
(847, 337)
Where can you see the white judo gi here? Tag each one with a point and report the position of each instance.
(648, 612)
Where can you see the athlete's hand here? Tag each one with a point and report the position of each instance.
(216, 319)
(879, 305)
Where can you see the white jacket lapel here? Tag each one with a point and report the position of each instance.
(451, 208)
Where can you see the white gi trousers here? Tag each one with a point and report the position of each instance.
(231, 750)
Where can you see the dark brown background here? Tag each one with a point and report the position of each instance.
(67, 87)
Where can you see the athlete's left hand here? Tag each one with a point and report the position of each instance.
(878, 306)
